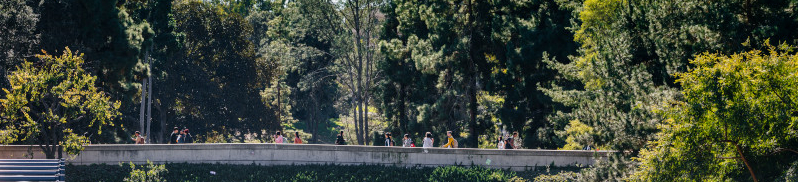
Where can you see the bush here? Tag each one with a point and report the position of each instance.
(148, 173)
(229, 172)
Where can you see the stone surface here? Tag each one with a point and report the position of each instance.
(286, 154)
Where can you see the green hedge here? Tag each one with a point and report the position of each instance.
(228, 172)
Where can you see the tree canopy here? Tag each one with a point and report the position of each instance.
(54, 103)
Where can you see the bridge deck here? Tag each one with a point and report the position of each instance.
(287, 154)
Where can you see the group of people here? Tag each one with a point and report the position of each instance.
(278, 138)
(511, 142)
(427, 142)
(177, 136)
(180, 136)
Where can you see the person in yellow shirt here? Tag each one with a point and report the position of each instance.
(450, 143)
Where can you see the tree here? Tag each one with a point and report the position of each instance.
(54, 103)
(17, 35)
(443, 57)
(296, 38)
(209, 85)
(623, 71)
(737, 120)
(357, 58)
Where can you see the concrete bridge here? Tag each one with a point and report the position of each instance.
(287, 154)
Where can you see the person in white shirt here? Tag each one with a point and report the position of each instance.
(516, 141)
(500, 146)
(428, 140)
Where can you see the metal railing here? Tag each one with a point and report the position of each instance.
(32, 170)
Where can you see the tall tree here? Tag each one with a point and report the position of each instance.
(208, 86)
(630, 49)
(298, 38)
(55, 104)
(736, 122)
(17, 35)
(357, 58)
(469, 50)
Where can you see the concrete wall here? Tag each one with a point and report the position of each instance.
(286, 154)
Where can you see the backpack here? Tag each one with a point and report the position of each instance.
(454, 143)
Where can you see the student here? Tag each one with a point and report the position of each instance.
(173, 136)
(182, 137)
(340, 139)
(388, 139)
(516, 141)
(407, 142)
(297, 140)
(508, 143)
(451, 142)
(428, 140)
(137, 138)
(501, 143)
(188, 138)
(278, 138)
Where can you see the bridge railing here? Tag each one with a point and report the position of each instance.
(32, 170)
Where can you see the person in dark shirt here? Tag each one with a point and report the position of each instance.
(388, 139)
(173, 137)
(340, 139)
(182, 137)
(188, 138)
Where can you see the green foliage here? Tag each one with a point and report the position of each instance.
(209, 84)
(17, 35)
(51, 102)
(577, 135)
(559, 177)
(227, 172)
(148, 173)
(113, 38)
(454, 173)
(742, 105)
(296, 40)
(630, 49)
(441, 56)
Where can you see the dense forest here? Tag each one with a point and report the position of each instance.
(681, 89)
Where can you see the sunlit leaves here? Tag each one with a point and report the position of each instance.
(54, 96)
(749, 99)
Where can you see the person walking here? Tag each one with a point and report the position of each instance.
(340, 139)
(516, 141)
(137, 138)
(388, 139)
(187, 136)
(508, 143)
(451, 142)
(501, 143)
(427, 140)
(182, 137)
(407, 142)
(297, 140)
(173, 136)
(278, 138)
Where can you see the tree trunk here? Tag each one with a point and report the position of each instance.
(366, 117)
(472, 82)
(402, 112)
(356, 122)
(149, 109)
(162, 120)
(143, 107)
